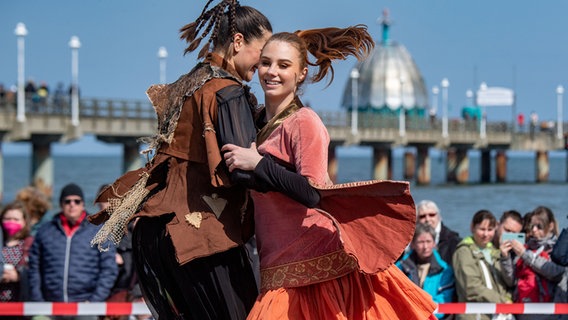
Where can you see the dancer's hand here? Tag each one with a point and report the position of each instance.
(241, 158)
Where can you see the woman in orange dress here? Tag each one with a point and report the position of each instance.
(326, 251)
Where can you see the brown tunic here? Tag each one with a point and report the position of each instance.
(186, 177)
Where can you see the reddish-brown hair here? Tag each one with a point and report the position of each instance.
(326, 45)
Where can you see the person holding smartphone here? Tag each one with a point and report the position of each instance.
(534, 275)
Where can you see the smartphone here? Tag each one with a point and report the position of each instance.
(513, 236)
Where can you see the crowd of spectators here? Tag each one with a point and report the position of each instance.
(39, 98)
(50, 258)
(518, 259)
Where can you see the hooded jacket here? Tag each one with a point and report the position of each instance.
(478, 280)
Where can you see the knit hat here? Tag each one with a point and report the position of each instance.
(70, 190)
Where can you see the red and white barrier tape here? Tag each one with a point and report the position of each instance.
(492, 308)
(72, 309)
(139, 308)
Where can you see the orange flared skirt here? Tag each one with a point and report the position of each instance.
(387, 295)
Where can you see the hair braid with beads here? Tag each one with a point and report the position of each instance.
(223, 21)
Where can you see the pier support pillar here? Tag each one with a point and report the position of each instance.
(382, 163)
(332, 162)
(501, 166)
(423, 175)
(542, 166)
(131, 159)
(485, 166)
(458, 166)
(409, 165)
(42, 163)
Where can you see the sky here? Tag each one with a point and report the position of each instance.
(518, 44)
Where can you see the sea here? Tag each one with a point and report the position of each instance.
(458, 203)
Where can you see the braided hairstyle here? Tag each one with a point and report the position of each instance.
(326, 45)
(223, 21)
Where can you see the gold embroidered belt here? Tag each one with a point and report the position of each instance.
(296, 274)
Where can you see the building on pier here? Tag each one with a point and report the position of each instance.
(389, 80)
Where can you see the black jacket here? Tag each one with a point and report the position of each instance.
(447, 243)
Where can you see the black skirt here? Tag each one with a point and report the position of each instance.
(220, 286)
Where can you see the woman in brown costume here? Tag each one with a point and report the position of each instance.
(192, 217)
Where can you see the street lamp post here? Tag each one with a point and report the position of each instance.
(162, 55)
(445, 84)
(434, 108)
(559, 125)
(401, 114)
(483, 123)
(74, 44)
(354, 101)
(21, 32)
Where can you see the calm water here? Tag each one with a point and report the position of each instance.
(458, 203)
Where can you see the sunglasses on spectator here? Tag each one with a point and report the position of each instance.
(431, 215)
(539, 226)
(76, 201)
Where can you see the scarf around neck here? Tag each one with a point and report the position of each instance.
(546, 243)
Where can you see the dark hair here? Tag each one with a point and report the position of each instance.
(17, 205)
(547, 217)
(481, 215)
(527, 221)
(326, 45)
(511, 214)
(225, 19)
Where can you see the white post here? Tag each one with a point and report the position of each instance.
(445, 84)
(401, 114)
(483, 123)
(434, 109)
(162, 55)
(559, 129)
(21, 32)
(74, 44)
(355, 101)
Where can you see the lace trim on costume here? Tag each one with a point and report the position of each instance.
(296, 274)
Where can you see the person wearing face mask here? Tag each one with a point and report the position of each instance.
(17, 241)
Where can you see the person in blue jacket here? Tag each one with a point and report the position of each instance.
(63, 267)
(424, 266)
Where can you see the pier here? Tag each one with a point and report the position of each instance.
(124, 121)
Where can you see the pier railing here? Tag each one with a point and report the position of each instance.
(135, 118)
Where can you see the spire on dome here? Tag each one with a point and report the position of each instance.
(385, 23)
